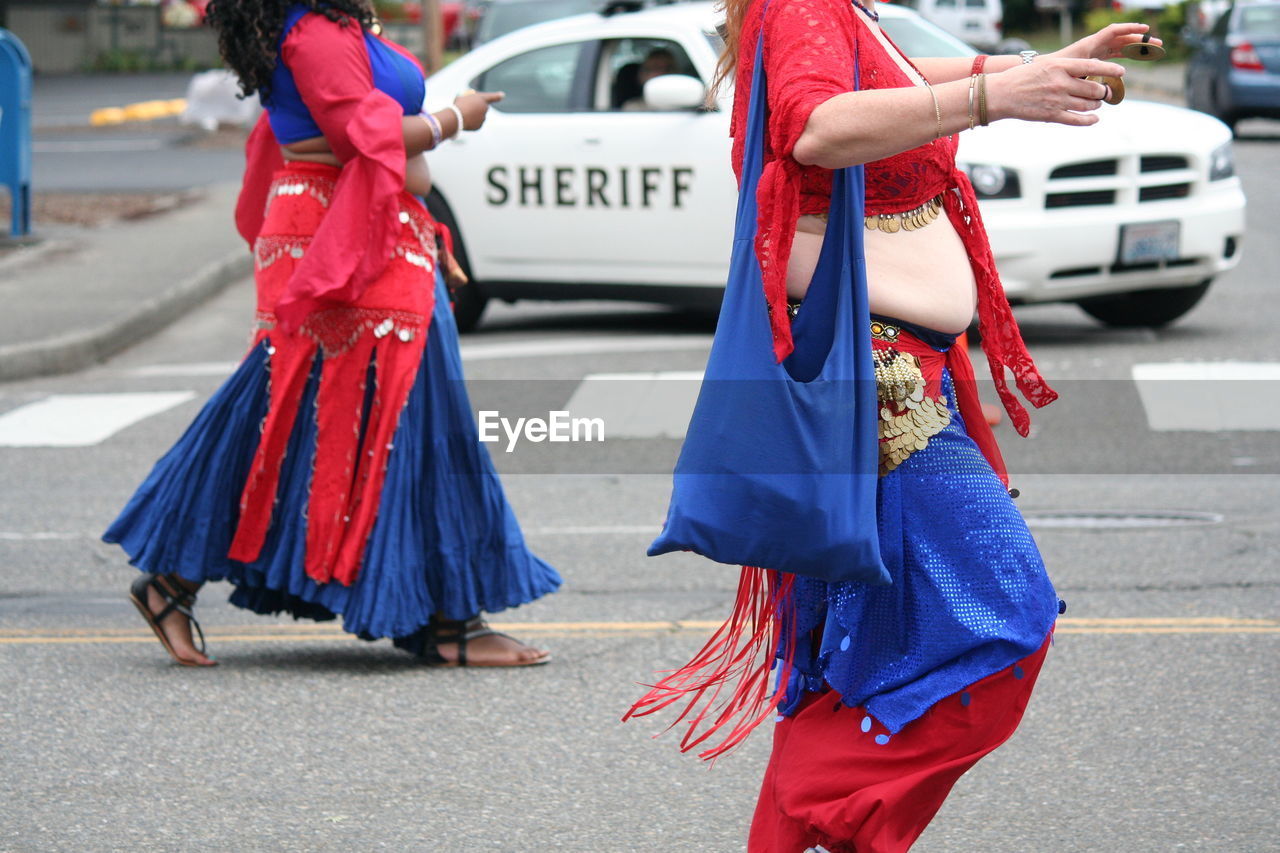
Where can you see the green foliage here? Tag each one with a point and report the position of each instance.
(389, 10)
(121, 61)
(1171, 21)
(1167, 23)
(1096, 19)
(1020, 16)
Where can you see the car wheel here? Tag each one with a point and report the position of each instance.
(468, 302)
(1149, 308)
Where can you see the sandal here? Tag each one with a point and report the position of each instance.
(176, 599)
(442, 631)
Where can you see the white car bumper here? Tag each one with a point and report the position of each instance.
(1055, 255)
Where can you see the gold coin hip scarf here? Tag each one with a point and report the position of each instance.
(911, 406)
(908, 220)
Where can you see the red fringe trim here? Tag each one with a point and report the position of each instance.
(738, 657)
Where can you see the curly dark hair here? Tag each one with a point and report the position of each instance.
(249, 30)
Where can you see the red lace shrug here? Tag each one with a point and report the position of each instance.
(810, 50)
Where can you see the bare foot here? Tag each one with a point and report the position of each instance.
(175, 625)
(484, 646)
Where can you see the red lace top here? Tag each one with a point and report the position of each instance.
(810, 49)
(363, 128)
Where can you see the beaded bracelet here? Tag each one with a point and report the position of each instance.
(978, 62)
(437, 132)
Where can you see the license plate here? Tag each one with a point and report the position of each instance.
(1149, 241)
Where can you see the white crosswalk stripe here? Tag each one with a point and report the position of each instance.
(1176, 396)
(1210, 396)
(82, 420)
(638, 405)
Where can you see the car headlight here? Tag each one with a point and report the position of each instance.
(993, 181)
(1222, 162)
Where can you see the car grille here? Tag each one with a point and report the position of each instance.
(1163, 192)
(1081, 199)
(1100, 193)
(1092, 169)
(1163, 163)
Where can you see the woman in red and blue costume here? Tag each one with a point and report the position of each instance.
(338, 472)
(887, 694)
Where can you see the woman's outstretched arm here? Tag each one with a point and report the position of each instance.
(1104, 44)
(861, 127)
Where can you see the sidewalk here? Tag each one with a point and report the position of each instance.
(79, 295)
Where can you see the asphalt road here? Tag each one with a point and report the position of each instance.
(155, 156)
(1153, 728)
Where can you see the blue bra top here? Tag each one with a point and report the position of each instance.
(393, 73)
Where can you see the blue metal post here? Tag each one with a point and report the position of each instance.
(15, 129)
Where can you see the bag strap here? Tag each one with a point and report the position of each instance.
(758, 111)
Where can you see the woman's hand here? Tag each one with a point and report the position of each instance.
(475, 106)
(1106, 43)
(1051, 89)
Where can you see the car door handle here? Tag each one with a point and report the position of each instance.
(592, 140)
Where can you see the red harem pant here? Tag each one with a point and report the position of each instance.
(837, 778)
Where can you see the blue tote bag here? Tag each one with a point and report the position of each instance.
(780, 462)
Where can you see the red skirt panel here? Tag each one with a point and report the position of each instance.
(837, 778)
(376, 337)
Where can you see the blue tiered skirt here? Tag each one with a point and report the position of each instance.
(445, 540)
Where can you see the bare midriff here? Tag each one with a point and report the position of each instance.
(921, 276)
(417, 177)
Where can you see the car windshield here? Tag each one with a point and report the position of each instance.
(502, 18)
(916, 37)
(1260, 20)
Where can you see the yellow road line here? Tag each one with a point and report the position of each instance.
(313, 632)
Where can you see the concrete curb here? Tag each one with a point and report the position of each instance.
(81, 349)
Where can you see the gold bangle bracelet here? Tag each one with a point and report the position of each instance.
(982, 100)
(937, 110)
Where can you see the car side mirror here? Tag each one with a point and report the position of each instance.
(674, 92)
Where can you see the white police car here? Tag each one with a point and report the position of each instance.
(588, 182)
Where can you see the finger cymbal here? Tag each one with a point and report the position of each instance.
(1115, 88)
(1143, 50)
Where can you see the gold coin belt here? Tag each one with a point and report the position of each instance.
(908, 418)
(908, 220)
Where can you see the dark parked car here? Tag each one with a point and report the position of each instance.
(1234, 72)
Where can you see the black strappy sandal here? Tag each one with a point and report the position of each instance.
(441, 631)
(176, 599)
